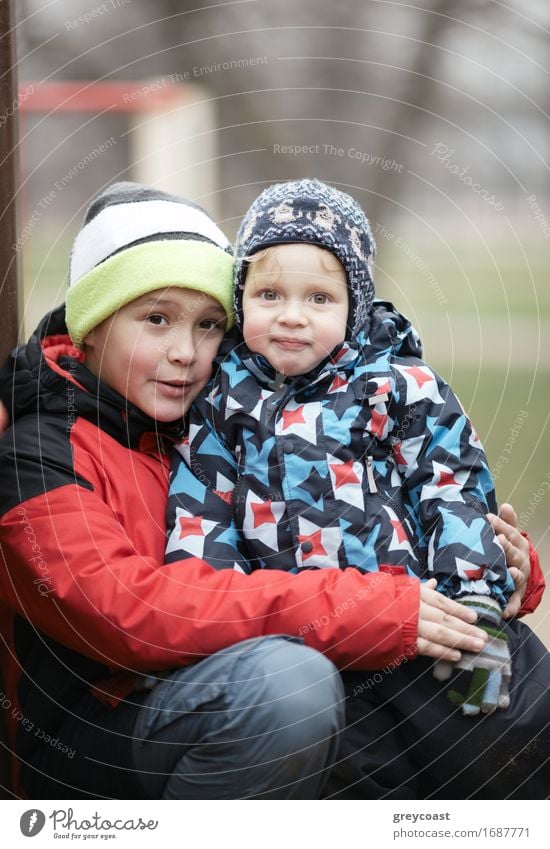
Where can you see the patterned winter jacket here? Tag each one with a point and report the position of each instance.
(369, 461)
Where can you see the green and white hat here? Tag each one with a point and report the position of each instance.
(136, 239)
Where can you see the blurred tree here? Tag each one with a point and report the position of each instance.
(381, 78)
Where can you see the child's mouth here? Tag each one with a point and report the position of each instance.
(173, 388)
(288, 343)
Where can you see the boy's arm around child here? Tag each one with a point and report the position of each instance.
(90, 575)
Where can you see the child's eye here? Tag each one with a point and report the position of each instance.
(268, 295)
(320, 298)
(212, 324)
(157, 319)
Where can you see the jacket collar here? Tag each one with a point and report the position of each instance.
(342, 358)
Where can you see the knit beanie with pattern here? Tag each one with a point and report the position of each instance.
(136, 239)
(313, 212)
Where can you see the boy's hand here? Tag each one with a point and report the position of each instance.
(445, 626)
(516, 549)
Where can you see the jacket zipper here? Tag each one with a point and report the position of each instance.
(370, 476)
(284, 392)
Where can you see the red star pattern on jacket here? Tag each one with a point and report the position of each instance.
(263, 514)
(291, 417)
(344, 473)
(419, 375)
(191, 526)
(396, 448)
(225, 496)
(338, 384)
(315, 541)
(447, 479)
(378, 424)
(399, 529)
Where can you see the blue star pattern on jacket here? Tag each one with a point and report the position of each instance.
(369, 462)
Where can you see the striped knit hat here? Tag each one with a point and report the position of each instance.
(136, 239)
(313, 212)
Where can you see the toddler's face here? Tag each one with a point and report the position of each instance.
(157, 351)
(295, 306)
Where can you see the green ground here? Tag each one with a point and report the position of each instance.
(485, 327)
(499, 280)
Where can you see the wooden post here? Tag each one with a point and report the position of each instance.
(9, 139)
(8, 253)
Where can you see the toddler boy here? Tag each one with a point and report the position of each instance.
(334, 443)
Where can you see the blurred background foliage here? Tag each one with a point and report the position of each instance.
(433, 115)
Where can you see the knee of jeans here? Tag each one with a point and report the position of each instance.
(297, 689)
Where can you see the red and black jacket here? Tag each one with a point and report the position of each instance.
(85, 599)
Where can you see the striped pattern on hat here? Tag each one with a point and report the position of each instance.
(136, 239)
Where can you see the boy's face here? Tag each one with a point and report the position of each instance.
(295, 306)
(157, 351)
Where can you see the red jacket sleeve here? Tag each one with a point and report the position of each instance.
(73, 572)
(536, 583)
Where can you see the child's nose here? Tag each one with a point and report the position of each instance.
(181, 348)
(292, 313)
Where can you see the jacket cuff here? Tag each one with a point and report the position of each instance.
(408, 595)
(536, 583)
